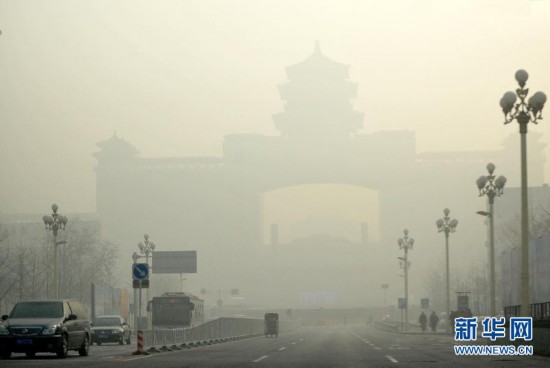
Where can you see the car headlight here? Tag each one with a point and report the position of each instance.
(116, 332)
(4, 330)
(50, 330)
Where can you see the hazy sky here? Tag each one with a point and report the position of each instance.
(174, 77)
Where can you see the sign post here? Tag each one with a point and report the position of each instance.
(140, 273)
(175, 262)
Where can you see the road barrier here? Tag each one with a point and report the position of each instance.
(139, 343)
(218, 330)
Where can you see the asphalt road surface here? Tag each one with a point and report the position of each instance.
(333, 346)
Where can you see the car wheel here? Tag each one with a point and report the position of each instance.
(98, 343)
(85, 348)
(5, 354)
(63, 350)
(30, 354)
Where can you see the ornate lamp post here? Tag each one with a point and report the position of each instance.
(385, 288)
(523, 113)
(447, 226)
(54, 223)
(147, 247)
(491, 187)
(405, 243)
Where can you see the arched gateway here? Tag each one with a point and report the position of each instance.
(214, 205)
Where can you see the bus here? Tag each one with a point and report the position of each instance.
(177, 310)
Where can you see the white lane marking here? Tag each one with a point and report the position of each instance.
(283, 348)
(293, 343)
(392, 359)
(260, 359)
(301, 339)
(366, 341)
(360, 338)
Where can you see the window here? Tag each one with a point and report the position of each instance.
(37, 310)
(107, 321)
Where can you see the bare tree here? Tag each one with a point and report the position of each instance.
(26, 270)
(539, 225)
(434, 283)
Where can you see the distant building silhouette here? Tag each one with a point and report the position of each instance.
(213, 204)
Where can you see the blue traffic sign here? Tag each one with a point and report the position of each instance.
(402, 303)
(140, 271)
(425, 303)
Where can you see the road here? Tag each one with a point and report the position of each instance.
(337, 346)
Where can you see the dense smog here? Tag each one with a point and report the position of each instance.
(284, 184)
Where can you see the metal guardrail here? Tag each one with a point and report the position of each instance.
(221, 328)
(539, 311)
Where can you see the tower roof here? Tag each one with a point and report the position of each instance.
(317, 99)
(115, 147)
(318, 62)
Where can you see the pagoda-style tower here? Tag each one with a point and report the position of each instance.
(317, 99)
(115, 151)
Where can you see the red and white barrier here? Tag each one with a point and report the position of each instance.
(139, 343)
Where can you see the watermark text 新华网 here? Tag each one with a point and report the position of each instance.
(520, 328)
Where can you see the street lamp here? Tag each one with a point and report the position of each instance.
(147, 248)
(491, 187)
(523, 113)
(54, 223)
(447, 226)
(405, 243)
(385, 288)
(510, 275)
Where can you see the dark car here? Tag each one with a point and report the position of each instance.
(52, 326)
(111, 329)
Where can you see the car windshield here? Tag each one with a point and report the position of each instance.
(37, 310)
(107, 321)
